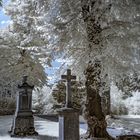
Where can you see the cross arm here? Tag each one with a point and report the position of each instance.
(73, 77)
(63, 76)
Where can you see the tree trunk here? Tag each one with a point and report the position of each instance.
(92, 11)
(93, 109)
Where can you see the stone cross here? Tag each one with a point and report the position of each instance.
(68, 79)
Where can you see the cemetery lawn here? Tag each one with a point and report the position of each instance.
(49, 129)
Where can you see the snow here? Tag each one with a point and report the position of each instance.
(9, 138)
(50, 130)
(130, 116)
(116, 131)
(43, 127)
(128, 124)
(133, 103)
(130, 105)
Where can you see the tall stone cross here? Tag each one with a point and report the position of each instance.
(68, 79)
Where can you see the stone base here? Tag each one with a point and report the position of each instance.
(68, 124)
(23, 126)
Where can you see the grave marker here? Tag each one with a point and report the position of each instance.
(68, 117)
(23, 122)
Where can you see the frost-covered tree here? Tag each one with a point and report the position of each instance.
(42, 100)
(89, 30)
(132, 104)
(121, 104)
(70, 23)
(16, 62)
(118, 106)
(98, 30)
(129, 84)
(26, 44)
(29, 27)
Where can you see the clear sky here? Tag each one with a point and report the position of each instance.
(4, 19)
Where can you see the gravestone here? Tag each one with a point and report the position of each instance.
(68, 117)
(23, 122)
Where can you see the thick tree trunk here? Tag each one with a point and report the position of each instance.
(93, 109)
(92, 11)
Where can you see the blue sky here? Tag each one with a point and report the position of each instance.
(4, 19)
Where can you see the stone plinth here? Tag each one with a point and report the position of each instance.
(23, 122)
(68, 124)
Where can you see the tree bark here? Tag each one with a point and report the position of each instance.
(92, 11)
(93, 109)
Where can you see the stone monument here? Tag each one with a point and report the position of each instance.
(23, 122)
(68, 117)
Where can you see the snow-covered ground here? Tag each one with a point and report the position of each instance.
(129, 116)
(126, 123)
(49, 130)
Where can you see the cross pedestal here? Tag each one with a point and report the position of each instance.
(68, 117)
(23, 122)
(68, 124)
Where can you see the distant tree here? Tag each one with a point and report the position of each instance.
(42, 100)
(128, 84)
(78, 94)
